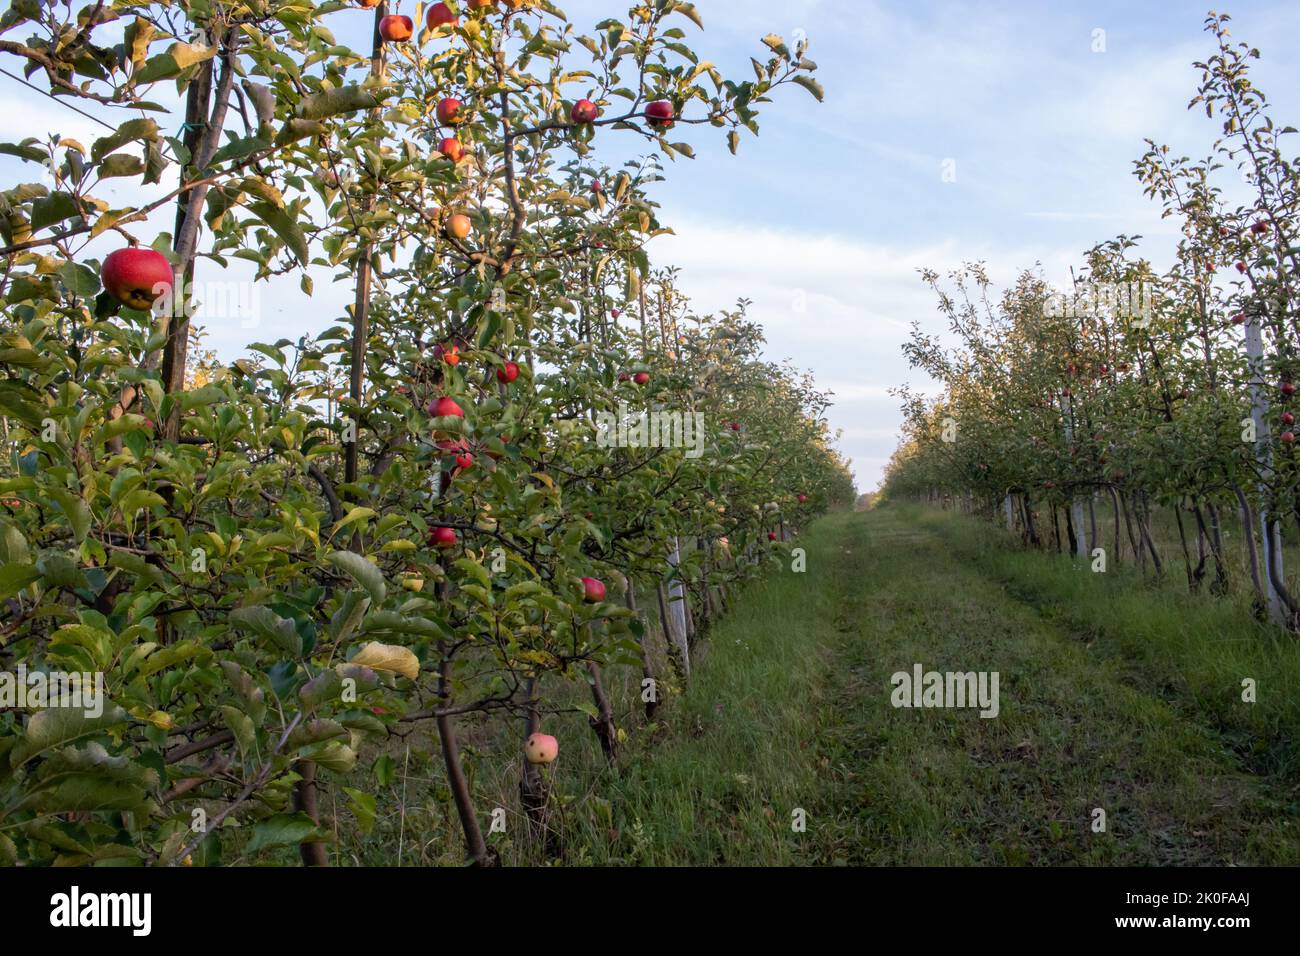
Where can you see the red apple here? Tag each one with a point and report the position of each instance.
(614, 313)
(464, 461)
(459, 225)
(1288, 388)
(451, 148)
(622, 376)
(1239, 318)
(447, 353)
(735, 426)
(584, 111)
(136, 276)
(439, 15)
(804, 498)
(444, 407)
(1259, 227)
(1241, 267)
(448, 111)
(595, 185)
(771, 536)
(396, 29)
(367, 4)
(507, 373)
(659, 113)
(1288, 418)
(441, 537)
(641, 377)
(593, 591)
(541, 748)
(1288, 438)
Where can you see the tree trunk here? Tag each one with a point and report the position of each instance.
(304, 801)
(534, 794)
(603, 723)
(647, 667)
(679, 650)
(474, 844)
(1252, 553)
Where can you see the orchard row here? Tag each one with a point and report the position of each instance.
(402, 525)
(1184, 407)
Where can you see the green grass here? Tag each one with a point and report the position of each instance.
(1115, 694)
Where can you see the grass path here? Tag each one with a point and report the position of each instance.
(790, 709)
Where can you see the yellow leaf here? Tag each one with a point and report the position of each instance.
(389, 657)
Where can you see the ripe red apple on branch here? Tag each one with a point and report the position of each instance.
(396, 29)
(641, 378)
(1288, 388)
(659, 114)
(593, 590)
(452, 148)
(459, 226)
(584, 111)
(507, 373)
(136, 276)
(445, 407)
(439, 15)
(441, 537)
(448, 111)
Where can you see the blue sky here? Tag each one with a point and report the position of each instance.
(838, 204)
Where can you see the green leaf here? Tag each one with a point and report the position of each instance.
(61, 725)
(283, 829)
(327, 103)
(361, 571)
(285, 226)
(811, 85)
(363, 808)
(264, 622)
(241, 725)
(15, 577)
(348, 617)
(75, 509)
(133, 129)
(79, 279)
(178, 58)
(53, 208)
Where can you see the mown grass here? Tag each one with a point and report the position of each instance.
(1116, 694)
